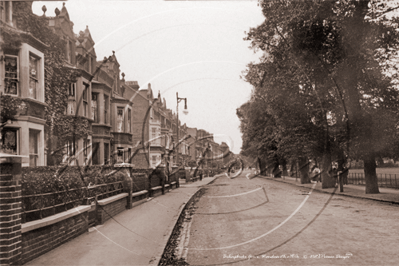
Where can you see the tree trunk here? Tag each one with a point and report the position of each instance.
(303, 166)
(292, 167)
(370, 174)
(285, 170)
(327, 178)
(262, 168)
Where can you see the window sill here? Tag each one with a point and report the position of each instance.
(34, 100)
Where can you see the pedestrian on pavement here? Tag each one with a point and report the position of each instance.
(316, 173)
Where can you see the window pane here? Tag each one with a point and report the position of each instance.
(71, 91)
(120, 120)
(11, 67)
(32, 88)
(71, 108)
(85, 91)
(105, 109)
(96, 153)
(33, 67)
(33, 147)
(33, 76)
(129, 118)
(120, 155)
(9, 141)
(11, 75)
(106, 153)
(94, 115)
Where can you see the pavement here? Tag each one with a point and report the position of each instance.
(134, 237)
(389, 195)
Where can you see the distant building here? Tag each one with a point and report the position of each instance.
(155, 126)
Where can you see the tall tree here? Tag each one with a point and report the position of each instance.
(331, 54)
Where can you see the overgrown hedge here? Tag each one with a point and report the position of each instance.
(46, 179)
(66, 187)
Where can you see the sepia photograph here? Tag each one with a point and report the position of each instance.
(199, 132)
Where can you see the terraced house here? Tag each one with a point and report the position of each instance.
(98, 95)
(22, 78)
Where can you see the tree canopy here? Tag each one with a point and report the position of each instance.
(326, 85)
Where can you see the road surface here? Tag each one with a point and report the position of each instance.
(257, 221)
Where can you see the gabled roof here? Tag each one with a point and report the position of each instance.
(85, 40)
(64, 12)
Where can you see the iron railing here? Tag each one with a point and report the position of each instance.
(384, 180)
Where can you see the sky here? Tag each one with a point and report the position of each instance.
(195, 48)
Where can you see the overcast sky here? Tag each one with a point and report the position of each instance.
(194, 48)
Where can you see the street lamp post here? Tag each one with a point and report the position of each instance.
(185, 111)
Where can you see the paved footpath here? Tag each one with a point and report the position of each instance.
(134, 237)
(386, 194)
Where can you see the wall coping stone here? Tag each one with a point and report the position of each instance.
(139, 193)
(156, 188)
(29, 226)
(112, 199)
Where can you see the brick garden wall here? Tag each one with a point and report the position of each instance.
(106, 212)
(10, 219)
(42, 240)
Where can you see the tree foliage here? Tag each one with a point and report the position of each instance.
(321, 85)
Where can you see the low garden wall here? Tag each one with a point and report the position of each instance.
(41, 236)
